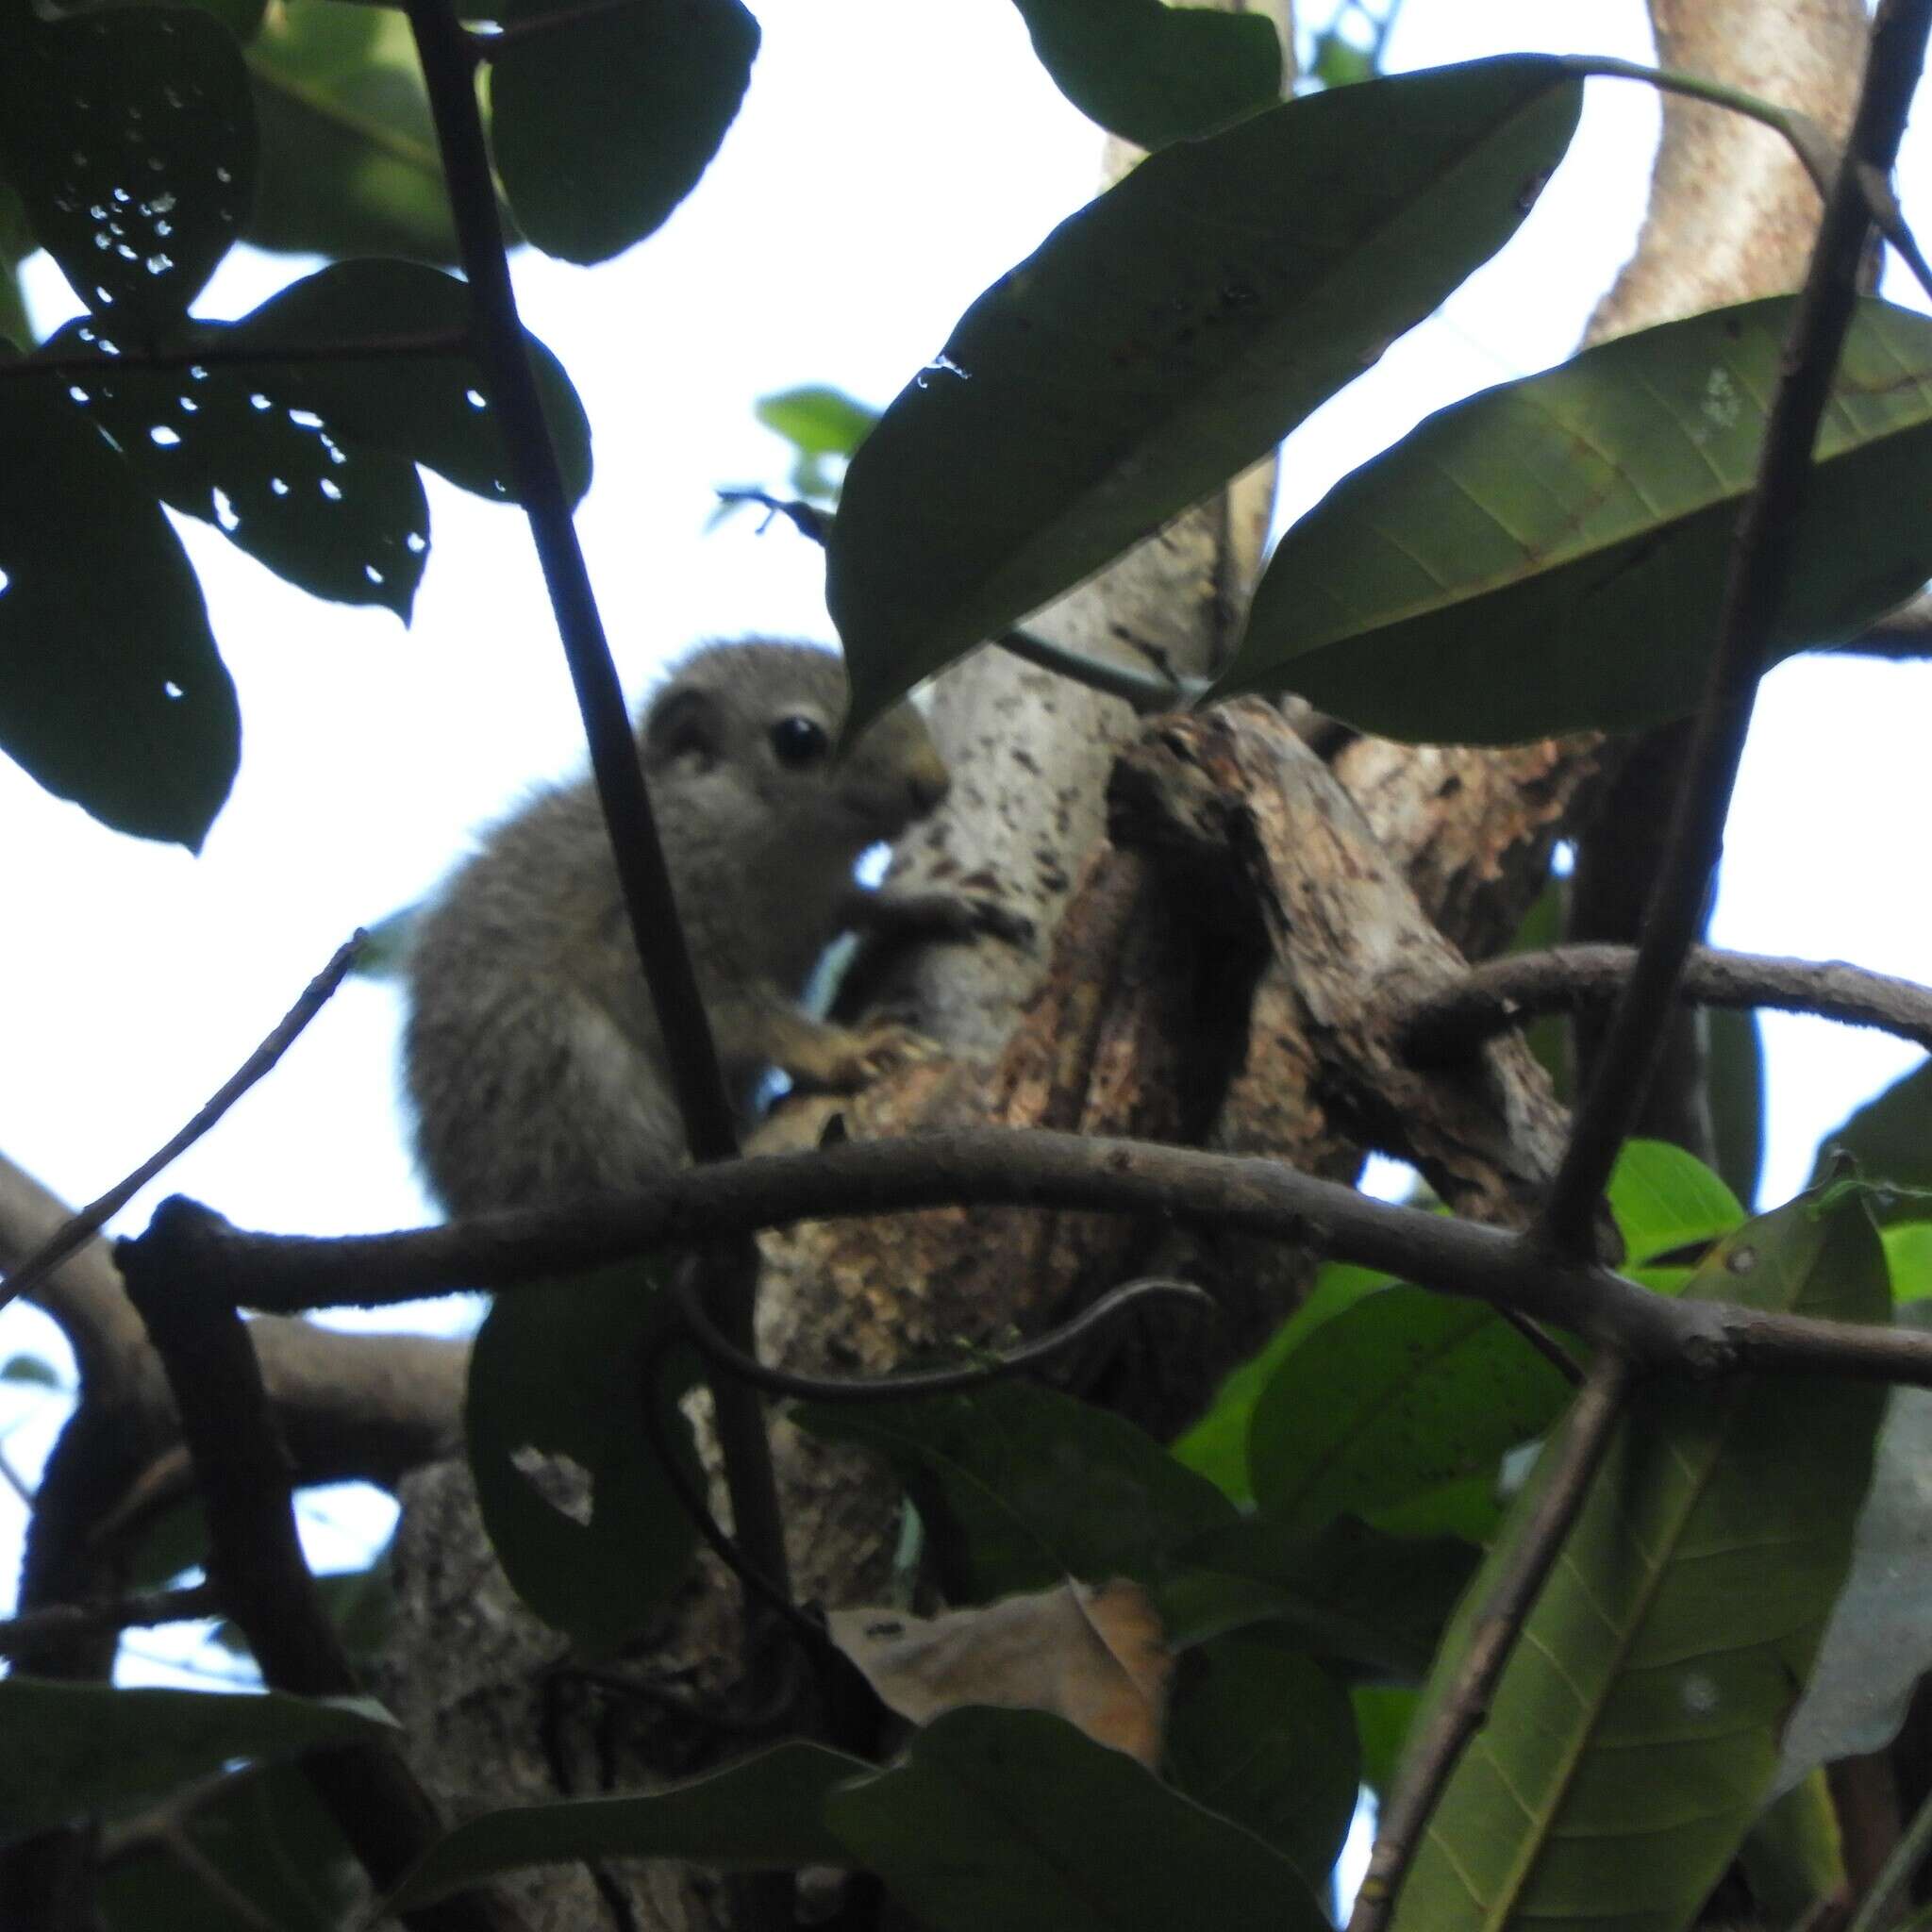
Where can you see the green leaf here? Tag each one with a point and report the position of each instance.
(1267, 1738)
(1908, 1259)
(557, 1372)
(1793, 1856)
(265, 1853)
(1735, 1083)
(1403, 1392)
(349, 160)
(1347, 1592)
(66, 1749)
(1339, 63)
(1013, 1818)
(1878, 1643)
(111, 692)
(1549, 554)
(1633, 1737)
(1018, 1487)
(386, 943)
(1548, 1037)
(129, 136)
(1163, 339)
(603, 119)
(1890, 1138)
(1384, 1714)
(1153, 74)
(817, 421)
(1217, 1445)
(31, 1369)
(765, 1811)
(1665, 1200)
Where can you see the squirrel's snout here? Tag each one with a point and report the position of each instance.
(928, 783)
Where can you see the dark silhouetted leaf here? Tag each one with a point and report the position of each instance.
(587, 1528)
(603, 121)
(1012, 1819)
(1348, 1592)
(1020, 1488)
(1267, 1738)
(1549, 554)
(1153, 74)
(1735, 1082)
(66, 1749)
(30, 1369)
(765, 1811)
(1634, 1734)
(129, 136)
(264, 1853)
(1890, 1138)
(112, 692)
(1163, 339)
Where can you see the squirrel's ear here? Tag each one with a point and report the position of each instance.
(685, 721)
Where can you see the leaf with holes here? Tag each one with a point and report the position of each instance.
(111, 692)
(343, 521)
(589, 1529)
(129, 136)
(601, 123)
(1633, 1733)
(1551, 554)
(1163, 339)
(1153, 74)
(426, 406)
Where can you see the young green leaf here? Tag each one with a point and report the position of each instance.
(1406, 1391)
(1549, 554)
(1163, 339)
(1634, 1734)
(1153, 74)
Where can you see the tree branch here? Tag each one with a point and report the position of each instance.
(1760, 564)
(57, 1621)
(255, 1560)
(1509, 993)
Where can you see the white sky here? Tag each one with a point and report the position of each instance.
(890, 162)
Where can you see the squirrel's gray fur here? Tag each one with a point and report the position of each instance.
(531, 1053)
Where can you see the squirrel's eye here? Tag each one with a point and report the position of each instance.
(799, 741)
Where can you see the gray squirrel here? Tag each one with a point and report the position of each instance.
(531, 1053)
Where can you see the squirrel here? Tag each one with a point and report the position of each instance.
(531, 1051)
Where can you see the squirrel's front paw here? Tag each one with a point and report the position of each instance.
(882, 1049)
(996, 919)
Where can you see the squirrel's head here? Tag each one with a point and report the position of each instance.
(760, 718)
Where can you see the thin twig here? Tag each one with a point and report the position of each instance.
(185, 1297)
(447, 54)
(1883, 203)
(1432, 1755)
(92, 1218)
(1504, 993)
(1809, 142)
(1036, 1353)
(54, 1622)
(161, 357)
(511, 382)
(1147, 691)
(1762, 551)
